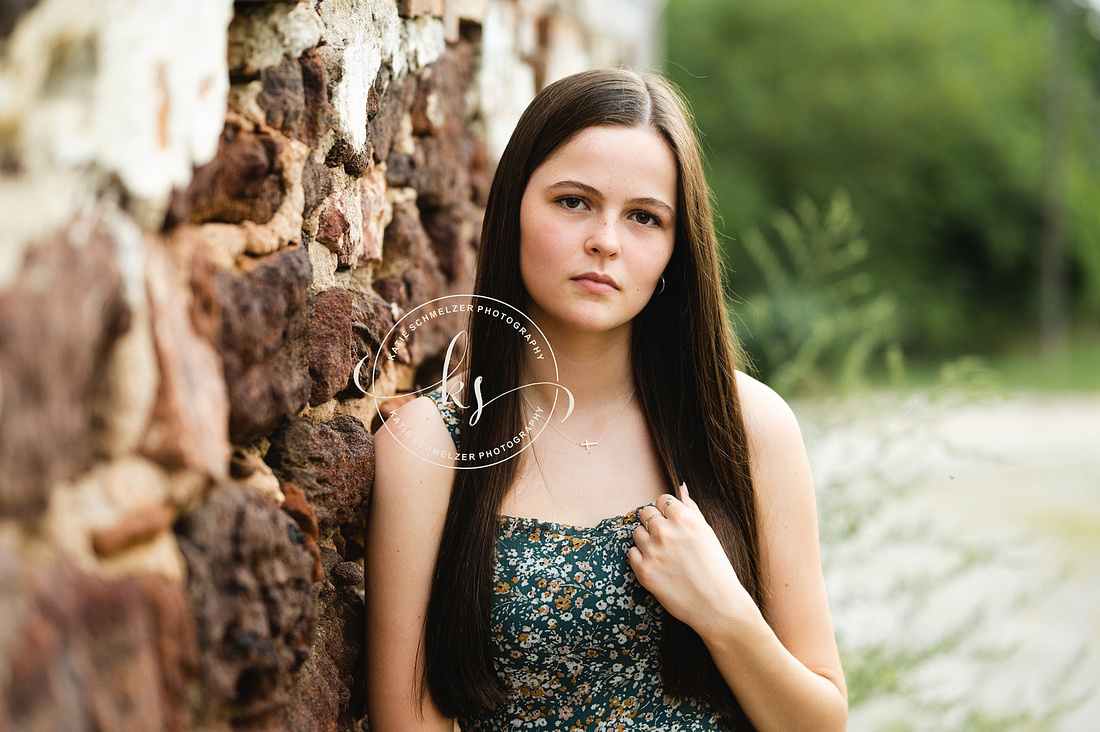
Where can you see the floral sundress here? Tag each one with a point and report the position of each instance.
(575, 636)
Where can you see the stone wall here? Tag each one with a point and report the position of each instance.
(211, 212)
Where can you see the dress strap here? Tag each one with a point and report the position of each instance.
(448, 410)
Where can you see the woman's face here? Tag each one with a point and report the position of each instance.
(597, 227)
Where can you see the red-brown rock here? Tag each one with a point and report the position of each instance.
(316, 185)
(319, 113)
(371, 321)
(100, 654)
(333, 228)
(297, 507)
(58, 322)
(330, 689)
(439, 169)
(445, 232)
(188, 427)
(282, 96)
(264, 314)
(294, 97)
(242, 183)
(394, 99)
(330, 344)
(332, 462)
(405, 241)
(139, 527)
(249, 578)
(392, 289)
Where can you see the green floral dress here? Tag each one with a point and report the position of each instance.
(575, 636)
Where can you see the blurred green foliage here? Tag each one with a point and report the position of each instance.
(930, 116)
(820, 319)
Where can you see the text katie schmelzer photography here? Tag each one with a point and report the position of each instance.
(454, 313)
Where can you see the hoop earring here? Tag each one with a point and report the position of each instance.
(660, 285)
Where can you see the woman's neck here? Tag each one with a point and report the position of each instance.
(595, 367)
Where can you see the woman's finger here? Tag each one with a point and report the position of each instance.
(665, 503)
(641, 539)
(647, 515)
(686, 497)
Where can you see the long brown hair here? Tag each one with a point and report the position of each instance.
(684, 361)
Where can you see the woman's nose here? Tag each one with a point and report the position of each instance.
(603, 240)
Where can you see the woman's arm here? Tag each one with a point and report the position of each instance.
(407, 509)
(786, 675)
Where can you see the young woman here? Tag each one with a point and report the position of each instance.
(651, 562)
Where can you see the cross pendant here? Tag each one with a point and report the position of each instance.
(586, 444)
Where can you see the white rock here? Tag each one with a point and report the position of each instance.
(422, 43)
(136, 88)
(368, 32)
(264, 35)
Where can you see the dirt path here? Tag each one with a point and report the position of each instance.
(1020, 474)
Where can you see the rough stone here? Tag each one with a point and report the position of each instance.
(247, 467)
(131, 372)
(264, 313)
(243, 182)
(423, 41)
(415, 8)
(372, 319)
(298, 508)
(325, 263)
(316, 184)
(439, 165)
(283, 96)
(331, 684)
(332, 462)
(249, 578)
(334, 228)
(263, 34)
(377, 212)
(405, 240)
(95, 653)
(137, 93)
(330, 344)
(319, 114)
(361, 36)
(347, 574)
(394, 98)
(58, 322)
(450, 247)
(294, 97)
(188, 425)
(393, 291)
(115, 517)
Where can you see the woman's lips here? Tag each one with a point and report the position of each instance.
(596, 283)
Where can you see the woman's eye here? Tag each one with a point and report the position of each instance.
(572, 203)
(646, 219)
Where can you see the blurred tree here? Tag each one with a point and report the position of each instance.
(820, 320)
(929, 114)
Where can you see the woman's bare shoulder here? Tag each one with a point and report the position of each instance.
(777, 454)
(767, 416)
(411, 457)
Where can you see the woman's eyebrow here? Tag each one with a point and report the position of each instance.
(576, 185)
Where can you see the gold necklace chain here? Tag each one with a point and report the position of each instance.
(585, 443)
